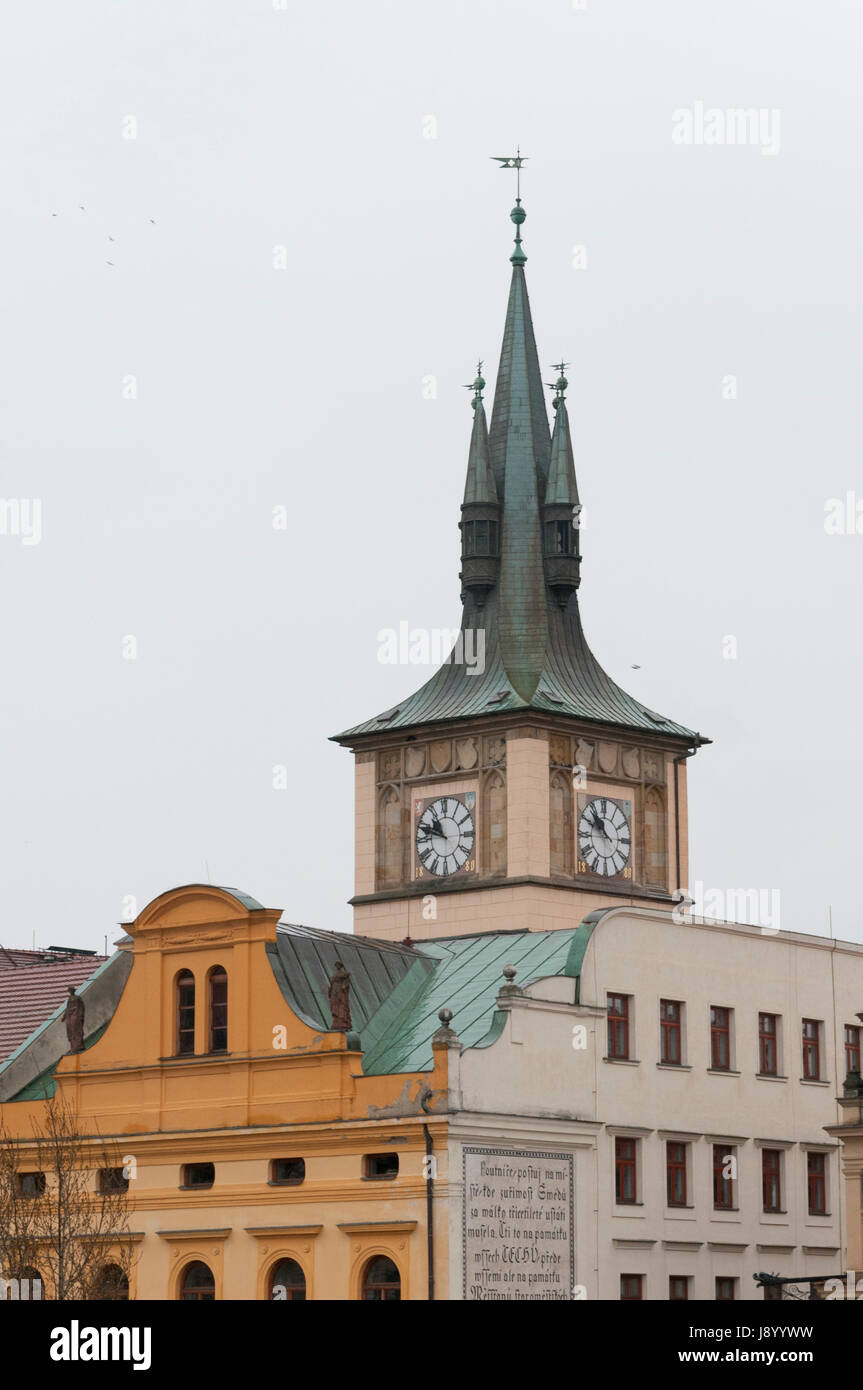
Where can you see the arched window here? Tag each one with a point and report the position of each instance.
(287, 1282)
(185, 1013)
(112, 1284)
(217, 983)
(198, 1284)
(381, 1281)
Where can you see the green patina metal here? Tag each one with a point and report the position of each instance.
(536, 655)
(397, 991)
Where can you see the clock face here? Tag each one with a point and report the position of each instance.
(445, 836)
(604, 837)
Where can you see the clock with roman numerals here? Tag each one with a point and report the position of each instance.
(445, 835)
(605, 838)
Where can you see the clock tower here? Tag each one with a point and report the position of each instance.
(520, 786)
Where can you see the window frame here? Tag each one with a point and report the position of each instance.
(771, 1181)
(852, 1047)
(816, 1182)
(369, 1161)
(286, 1182)
(811, 1047)
(183, 1012)
(721, 1152)
(197, 1186)
(638, 1282)
(719, 1031)
(625, 1165)
(668, 1029)
(765, 1039)
(618, 1026)
(675, 1167)
(217, 979)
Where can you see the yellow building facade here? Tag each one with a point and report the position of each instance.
(281, 1091)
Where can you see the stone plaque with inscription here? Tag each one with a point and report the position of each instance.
(518, 1225)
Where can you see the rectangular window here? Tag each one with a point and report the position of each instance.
(811, 1050)
(720, 1039)
(816, 1174)
(288, 1172)
(625, 1186)
(724, 1173)
(381, 1166)
(678, 1288)
(772, 1293)
(31, 1184)
(198, 1175)
(771, 1179)
(725, 1289)
(768, 1054)
(670, 1050)
(675, 1174)
(618, 1026)
(852, 1048)
(113, 1180)
(631, 1288)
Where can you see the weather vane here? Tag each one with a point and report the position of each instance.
(561, 384)
(476, 386)
(518, 214)
(513, 161)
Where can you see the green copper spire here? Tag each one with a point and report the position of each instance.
(479, 487)
(520, 559)
(562, 486)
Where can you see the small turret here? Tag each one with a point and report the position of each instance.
(561, 508)
(480, 523)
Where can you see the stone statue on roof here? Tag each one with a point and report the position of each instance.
(339, 992)
(73, 1017)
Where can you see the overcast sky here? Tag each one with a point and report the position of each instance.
(160, 407)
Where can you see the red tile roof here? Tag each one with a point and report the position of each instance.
(31, 993)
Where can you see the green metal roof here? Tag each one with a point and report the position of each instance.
(398, 991)
(536, 653)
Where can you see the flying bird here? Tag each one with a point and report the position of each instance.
(636, 668)
(109, 262)
(83, 209)
(152, 221)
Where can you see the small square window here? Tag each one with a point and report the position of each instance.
(198, 1175)
(288, 1172)
(381, 1166)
